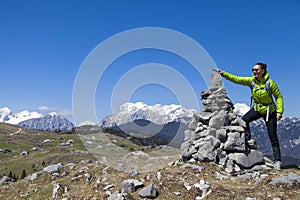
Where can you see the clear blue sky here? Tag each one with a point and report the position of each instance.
(44, 43)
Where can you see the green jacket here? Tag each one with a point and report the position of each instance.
(259, 93)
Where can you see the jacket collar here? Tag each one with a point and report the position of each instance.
(263, 80)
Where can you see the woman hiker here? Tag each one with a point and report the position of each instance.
(262, 89)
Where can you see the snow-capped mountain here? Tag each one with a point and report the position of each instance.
(288, 127)
(51, 122)
(34, 120)
(240, 109)
(7, 116)
(88, 123)
(158, 114)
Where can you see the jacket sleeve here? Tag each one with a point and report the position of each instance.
(278, 96)
(238, 79)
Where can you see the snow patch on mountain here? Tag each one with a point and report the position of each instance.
(35, 120)
(87, 123)
(241, 109)
(7, 116)
(158, 114)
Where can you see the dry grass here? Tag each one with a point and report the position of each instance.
(172, 181)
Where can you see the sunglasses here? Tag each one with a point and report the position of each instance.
(255, 70)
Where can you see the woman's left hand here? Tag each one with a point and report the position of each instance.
(279, 116)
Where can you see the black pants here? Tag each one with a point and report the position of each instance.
(271, 124)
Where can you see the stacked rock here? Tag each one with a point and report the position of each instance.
(216, 134)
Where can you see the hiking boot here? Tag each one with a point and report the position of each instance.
(277, 165)
(252, 144)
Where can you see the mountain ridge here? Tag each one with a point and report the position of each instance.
(158, 114)
(34, 120)
(288, 127)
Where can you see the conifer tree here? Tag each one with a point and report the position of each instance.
(23, 174)
(15, 177)
(10, 175)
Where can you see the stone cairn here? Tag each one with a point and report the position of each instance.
(217, 135)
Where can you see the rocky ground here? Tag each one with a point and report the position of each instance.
(141, 176)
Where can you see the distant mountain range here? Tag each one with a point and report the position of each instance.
(34, 120)
(139, 120)
(161, 124)
(158, 114)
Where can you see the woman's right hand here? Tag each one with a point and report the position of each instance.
(219, 71)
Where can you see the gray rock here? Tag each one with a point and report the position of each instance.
(205, 117)
(216, 80)
(198, 156)
(186, 144)
(88, 177)
(203, 133)
(159, 176)
(235, 142)
(203, 186)
(217, 121)
(32, 177)
(221, 157)
(187, 186)
(197, 167)
(149, 192)
(86, 161)
(24, 153)
(108, 187)
(245, 176)
(177, 193)
(83, 169)
(236, 129)
(238, 122)
(54, 176)
(188, 135)
(5, 180)
(231, 117)
(187, 153)
(247, 160)
(221, 134)
(294, 177)
(131, 185)
(53, 168)
(290, 179)
(199, 129)
(58, 189)
(71, 165)
(133, 173)
(260, 168)
(207, 148)
(55, 190)
(115, 196)
(120, 167)
(229, 166)
(193, 124)
(259, 179)
(220, 176)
